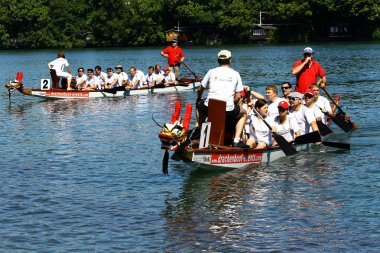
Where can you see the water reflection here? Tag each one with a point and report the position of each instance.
(258, 208)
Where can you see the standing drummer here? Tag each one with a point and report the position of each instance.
(307, 71)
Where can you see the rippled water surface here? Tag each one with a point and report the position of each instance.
(85, 175)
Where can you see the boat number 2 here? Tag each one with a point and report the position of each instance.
(45, 84)
(205, 135)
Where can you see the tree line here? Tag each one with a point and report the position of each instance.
(113, 23)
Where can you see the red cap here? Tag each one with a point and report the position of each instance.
(167, 68)
(283, 104)
(310, 91)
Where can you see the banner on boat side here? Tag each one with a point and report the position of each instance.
(215, 159)
(69, 94)
(236, 158)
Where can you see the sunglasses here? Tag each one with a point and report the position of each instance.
(280, 109)
(285, 88)
(308, 96)
(292, 99)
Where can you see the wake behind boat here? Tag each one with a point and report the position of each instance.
(46, 91)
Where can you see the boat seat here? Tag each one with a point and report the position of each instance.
(222, 131)
(55, 80)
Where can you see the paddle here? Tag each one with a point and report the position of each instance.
(197, 78)
(312, 137)
(282, 142)
(323, 129)
(315, 137)
(340, 119)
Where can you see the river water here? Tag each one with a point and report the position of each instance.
(85, 175)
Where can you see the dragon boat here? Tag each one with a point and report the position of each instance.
(210, 150)
(54, 92)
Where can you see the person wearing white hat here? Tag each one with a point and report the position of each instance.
(224, 83)
(307, 71)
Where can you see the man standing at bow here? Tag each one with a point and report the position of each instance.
(307, 71)
(175, 56)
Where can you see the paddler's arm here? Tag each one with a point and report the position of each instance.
(237, 97)
(163, 54)
(69, 69)
(322, 82)
(200, 92)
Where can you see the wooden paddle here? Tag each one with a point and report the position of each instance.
(341, 119)
(197, 78)
(282, 142)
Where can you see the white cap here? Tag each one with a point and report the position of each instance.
(308, 50)
(224, 54)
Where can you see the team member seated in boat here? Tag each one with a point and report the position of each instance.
(122, 76)
(101, 75)
(175, 56)
(169, 77)
(150, 78)
(307, 71)
(259, 134)
(322, 103)
(285, 125)
(309, 103)
(271, 93)
(225, 84)
(135, 78)
(111, 80)
(59, 65)
(159, 73)
(286, 89)
(305, 118)
(81, 79)
(93, 82)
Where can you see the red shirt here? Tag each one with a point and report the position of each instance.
(308, 76)
(175, 55)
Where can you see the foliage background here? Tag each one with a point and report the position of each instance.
(79, 23)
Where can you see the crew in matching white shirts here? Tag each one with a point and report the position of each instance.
(93, 82)
(169, 77)
(80, 79)
(259, 134)
(322, 103)
(283, 124)
(111, 80)
(135, 78)
(150, 78)
(305, 118)
(101, 75)
(273, 100)
(122, 76)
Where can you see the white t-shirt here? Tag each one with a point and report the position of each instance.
(94, 82)
(259, 132)
(273, 107)
(110, 79)
(169, 77)
(148, 79)
(139, 75)
(82, 78)
(102, 77)
(287, 129)
(59, 64)
(122, 77)
(304, 118)
(223, 82)
(323, 103)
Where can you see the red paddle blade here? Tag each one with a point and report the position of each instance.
(186, 119)
(177, 112)
(19, 76)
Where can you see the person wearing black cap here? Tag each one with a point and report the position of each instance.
(307, 71)
(224, 84)
(175, 56)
